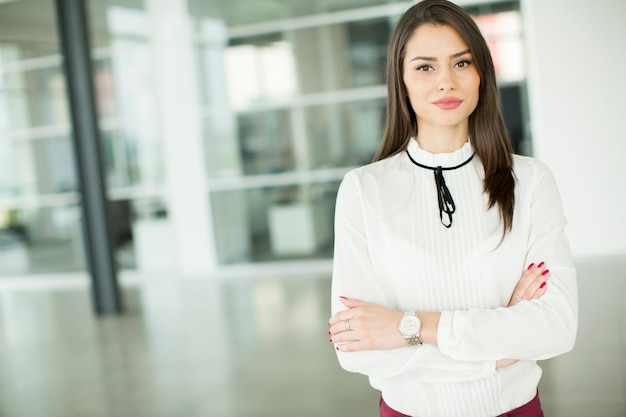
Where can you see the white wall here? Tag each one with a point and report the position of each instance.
(577, 92)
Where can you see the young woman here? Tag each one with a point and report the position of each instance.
(441, 290)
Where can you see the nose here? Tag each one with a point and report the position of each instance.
(446, 80)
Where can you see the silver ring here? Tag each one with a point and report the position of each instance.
(346, 325)
(518, 298)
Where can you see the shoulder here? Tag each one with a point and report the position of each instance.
(379, 186)
(374, 175)
(392, 162)
(531, 174)
(529, 169)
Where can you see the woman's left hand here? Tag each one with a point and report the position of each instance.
(365, 326)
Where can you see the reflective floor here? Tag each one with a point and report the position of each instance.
(250, 347)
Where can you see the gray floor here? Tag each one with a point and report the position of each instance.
(250, 347)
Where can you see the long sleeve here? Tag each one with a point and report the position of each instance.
(536, 329)
(354, 276)
(391, 249)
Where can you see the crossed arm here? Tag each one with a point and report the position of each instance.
(375, 327)
(457, 342)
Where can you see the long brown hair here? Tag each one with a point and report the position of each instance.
(490, 138)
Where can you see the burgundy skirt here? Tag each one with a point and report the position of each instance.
(530, 409)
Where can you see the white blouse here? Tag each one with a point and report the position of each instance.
(391, 248)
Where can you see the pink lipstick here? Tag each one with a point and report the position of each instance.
(448, 103)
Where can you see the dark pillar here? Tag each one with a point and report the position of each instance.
(74, 35)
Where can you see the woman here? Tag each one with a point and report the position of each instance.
(442, 245)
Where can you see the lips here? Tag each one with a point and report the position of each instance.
(448, 103)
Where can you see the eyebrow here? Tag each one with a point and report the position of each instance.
(430, 58)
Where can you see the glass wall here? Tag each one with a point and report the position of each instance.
(133, 149)
(306, 96)
(226, 126)
(40, 228)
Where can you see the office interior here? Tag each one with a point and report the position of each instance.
(225, 129)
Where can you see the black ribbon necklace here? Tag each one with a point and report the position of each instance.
(446, 203)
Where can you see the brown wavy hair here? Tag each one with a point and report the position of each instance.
(490, 138)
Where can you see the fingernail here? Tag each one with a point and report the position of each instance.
(330, 340)
(531, 266)
(341, 296)
(337, 347)
(541, 264)
(329, 330)
(546, 272)
(543, 284)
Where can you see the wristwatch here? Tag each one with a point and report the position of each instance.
(410, 326)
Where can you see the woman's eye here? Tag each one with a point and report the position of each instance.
(424, 68)
(463, 64)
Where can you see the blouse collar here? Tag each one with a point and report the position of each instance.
(439, 159)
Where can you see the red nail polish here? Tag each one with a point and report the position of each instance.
(545, 272)
(341, 296)
(330, 340)
(531, 266)
(543, 284)
(540, 265)
(337, 347)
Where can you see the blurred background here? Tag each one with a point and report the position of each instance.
(225, 128)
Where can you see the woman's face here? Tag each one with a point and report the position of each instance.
(440, 77)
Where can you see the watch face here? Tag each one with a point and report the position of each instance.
(410, 325)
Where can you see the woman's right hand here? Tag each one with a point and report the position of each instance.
(532, 284)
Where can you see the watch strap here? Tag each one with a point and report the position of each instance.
(413, 340)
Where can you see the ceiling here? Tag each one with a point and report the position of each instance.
(34, 21)
(233, 12)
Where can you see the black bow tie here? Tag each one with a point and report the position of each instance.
(444, 197)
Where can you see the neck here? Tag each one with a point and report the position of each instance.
(441, 140)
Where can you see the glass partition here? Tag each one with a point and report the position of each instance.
(305, 98)
(40, 228)
(221, 122)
